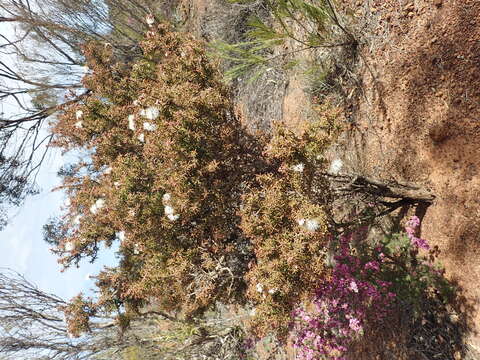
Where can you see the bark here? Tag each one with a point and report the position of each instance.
(381, 188)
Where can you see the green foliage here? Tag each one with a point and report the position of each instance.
(308, 24)
(415, 276)
(245, 57)
(132, 353)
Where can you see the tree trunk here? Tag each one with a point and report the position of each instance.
(381, 188)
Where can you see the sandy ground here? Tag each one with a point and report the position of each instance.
(419, 120)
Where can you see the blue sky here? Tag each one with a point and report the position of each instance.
(21, 243)
(22, 247)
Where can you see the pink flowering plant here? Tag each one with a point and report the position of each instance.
(368, 281)
(409, 262)
(342, 305)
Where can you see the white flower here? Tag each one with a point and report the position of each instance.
(273, 291)
(79, 114)
(141, 137)
(172, 217)
(121, 236)
(136, 249)
(79, 124)
(335, 166)
(150, 19)
(136, 102)
(100, 203)
(131, 122)
(108, 171)
(149, 126)
(353, 286)
(312, 225)
(93, 209)
(259, 288)
(169, 210)
(298, 168)
(69, 246)
(116, 183)
(76, 219)
(301, 222)
(151, 113)
(166, 197)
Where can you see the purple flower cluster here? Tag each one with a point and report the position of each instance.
(411, 229)
(342, 306)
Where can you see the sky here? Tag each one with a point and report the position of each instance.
(22, 247)
(21, 243)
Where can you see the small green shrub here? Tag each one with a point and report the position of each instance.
(308, 24)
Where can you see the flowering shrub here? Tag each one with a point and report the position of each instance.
(286, 222)
(163, 162)
(411, 228)
(342, 306)
(367, 282)
(169, 174)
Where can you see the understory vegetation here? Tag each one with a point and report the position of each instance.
(211, 218)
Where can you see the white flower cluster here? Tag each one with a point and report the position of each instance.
(335, 167)
(309, 224)
(69, 246)
(131, 122)
(151, 113)
(298, 168)
(121, 236)
(149, 126)
(100, 203)
(76, 220)
(260, 288)
(169, 210)
(78, 116)
(136, 249)
(150, 19)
